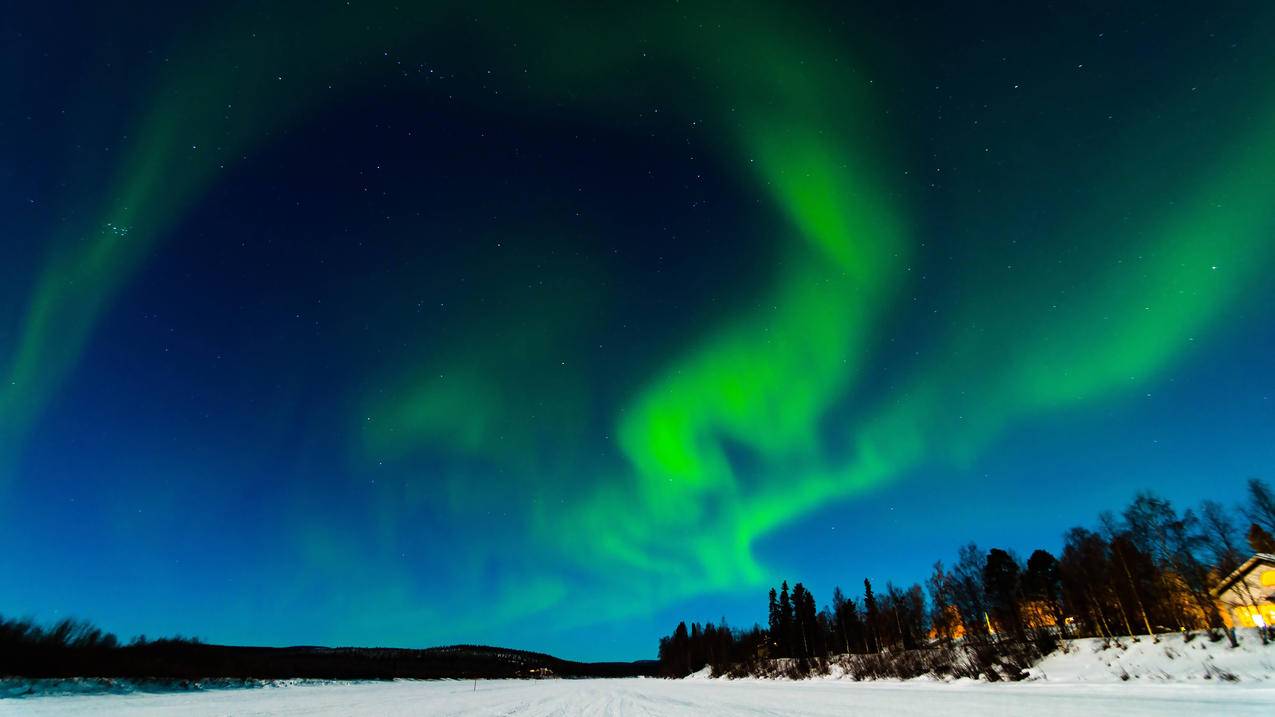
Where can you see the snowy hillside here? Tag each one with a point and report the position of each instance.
(1171, 659)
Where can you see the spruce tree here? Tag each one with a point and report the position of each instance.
(871, 614)
(806, 619)
(681, 650)
(1002, 586)
(1042, 586)
(786, 618)
(775, 623)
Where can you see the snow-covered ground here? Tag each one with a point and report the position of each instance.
(1168, 676)
(1169, 658)
(677, 697)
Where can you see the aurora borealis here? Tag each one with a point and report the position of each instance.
(364, 323)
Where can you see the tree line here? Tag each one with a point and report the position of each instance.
(1144, 571)
(74, 648)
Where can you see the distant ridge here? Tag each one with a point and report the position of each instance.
(39, 655)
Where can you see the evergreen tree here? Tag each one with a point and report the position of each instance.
(708, 649)
(675, 655)
(805, 620)
(695, 651)
(775, 623)
(1002, 587)
(1042, 587)
(871, 616)
(786, 619)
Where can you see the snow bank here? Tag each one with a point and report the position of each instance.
(1170, 658)
(39, 687)
(705, 673)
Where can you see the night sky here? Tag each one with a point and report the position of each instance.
(353, 323)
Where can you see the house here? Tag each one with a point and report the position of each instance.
(1247, 596)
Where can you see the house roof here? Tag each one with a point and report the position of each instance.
(1244, 569)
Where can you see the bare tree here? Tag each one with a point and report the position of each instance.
(941, 617)
(1261, 504)
(1111, 528)
(1220, 537)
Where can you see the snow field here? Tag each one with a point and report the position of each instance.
(676, 698)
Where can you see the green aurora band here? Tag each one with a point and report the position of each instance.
(679, 518)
